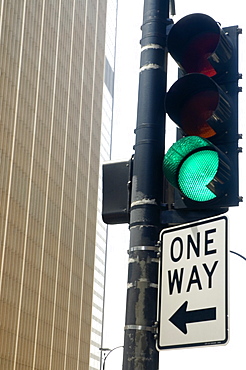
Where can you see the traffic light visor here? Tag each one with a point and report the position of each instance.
(199, 45)
(197, 168)
(198, 105)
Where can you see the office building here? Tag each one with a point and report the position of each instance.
(101, 234)
(51, 86)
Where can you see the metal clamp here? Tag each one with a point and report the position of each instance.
(144, 248)
(141, 327)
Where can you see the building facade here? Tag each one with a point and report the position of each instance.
(51, 87)
(105, 154)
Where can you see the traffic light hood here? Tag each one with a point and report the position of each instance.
(198, 44)
(198, 105)
(197, 168)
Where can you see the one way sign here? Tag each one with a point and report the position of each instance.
(193, 289)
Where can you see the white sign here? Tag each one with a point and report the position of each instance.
(193, 294)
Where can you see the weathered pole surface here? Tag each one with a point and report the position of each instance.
(147, 189)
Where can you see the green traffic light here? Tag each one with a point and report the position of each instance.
(196, 168)
(203, 102)
(196, 173)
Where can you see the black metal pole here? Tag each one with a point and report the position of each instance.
(147, 187)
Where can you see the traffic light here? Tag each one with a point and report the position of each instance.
(203, 163)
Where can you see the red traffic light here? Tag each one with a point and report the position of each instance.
(199, 45)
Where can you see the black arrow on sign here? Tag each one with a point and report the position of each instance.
(182, 317)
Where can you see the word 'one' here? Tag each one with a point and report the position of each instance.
(192, 276)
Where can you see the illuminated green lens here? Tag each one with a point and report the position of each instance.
(195, 174)
(178, 152)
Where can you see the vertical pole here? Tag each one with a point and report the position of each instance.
(147, 186)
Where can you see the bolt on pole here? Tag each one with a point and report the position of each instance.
(147, 189)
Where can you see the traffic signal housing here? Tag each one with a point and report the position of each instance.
(203, 164)
(116, 197)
